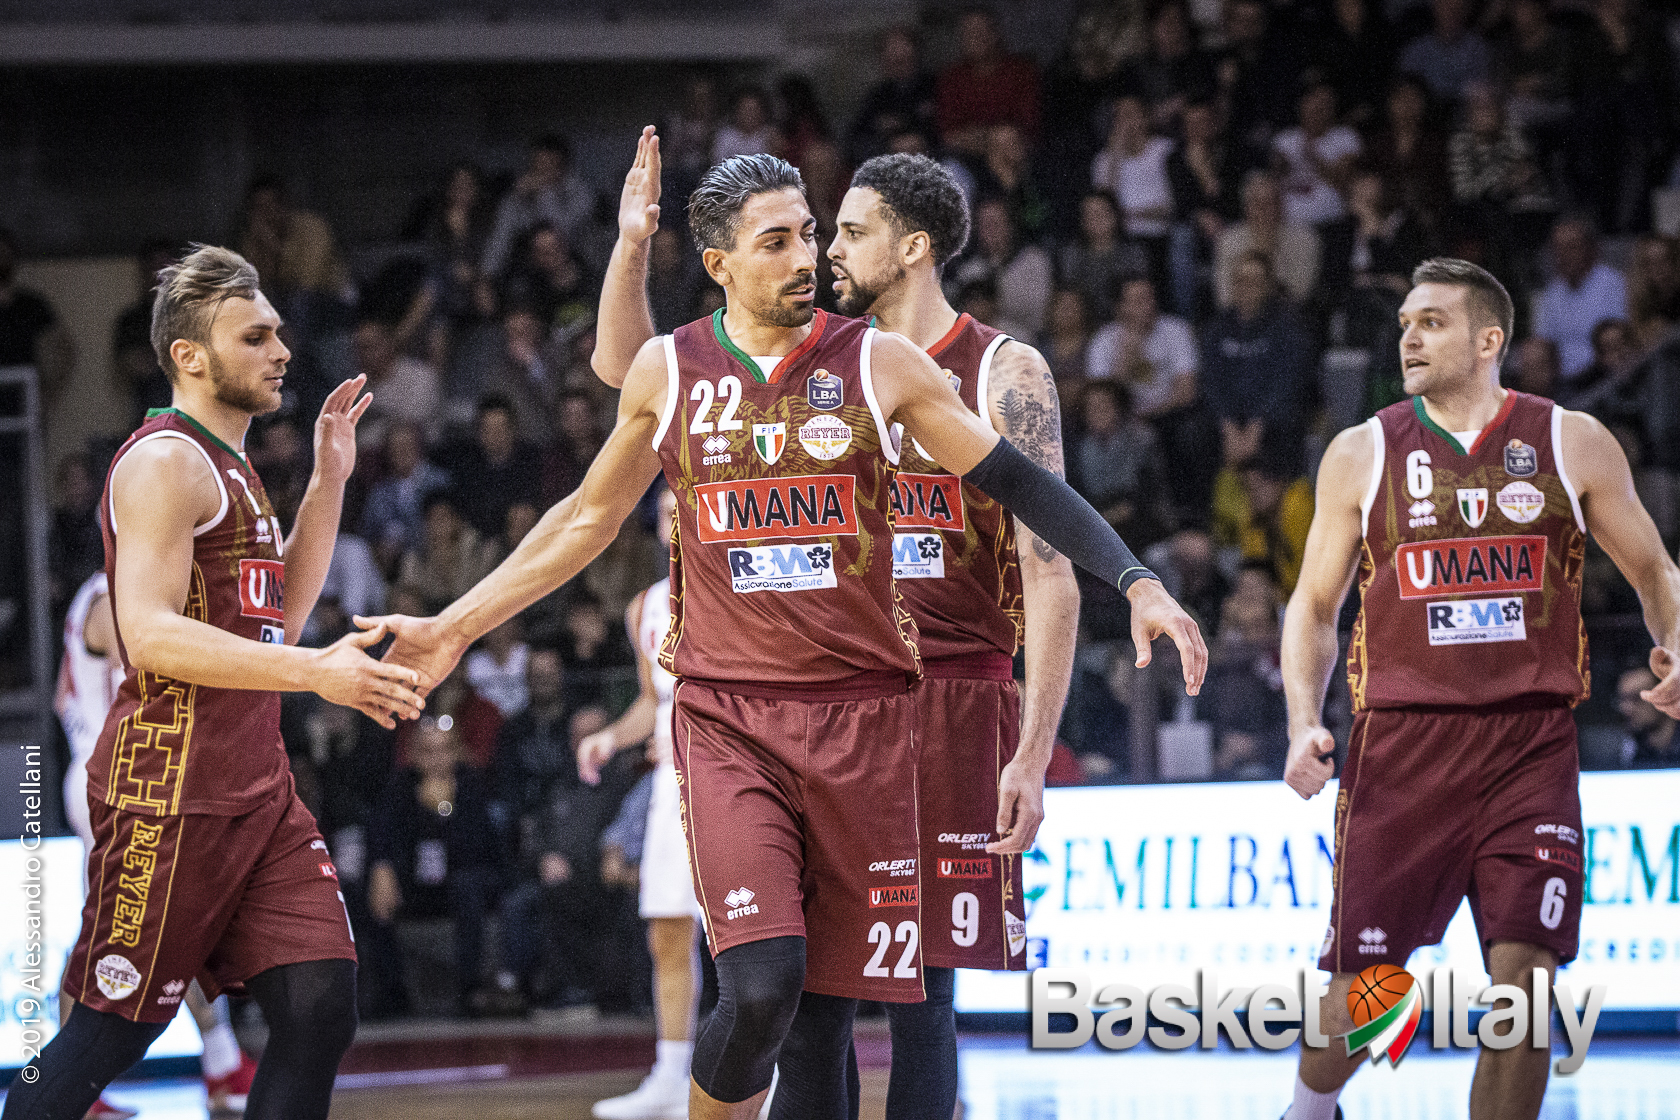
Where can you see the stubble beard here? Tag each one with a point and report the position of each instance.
(860, 297)
(255, 400)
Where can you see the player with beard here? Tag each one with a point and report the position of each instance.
(1464, 512)
(205, 863)
(794, 728)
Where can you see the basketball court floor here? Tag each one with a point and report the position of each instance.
(525, 1071)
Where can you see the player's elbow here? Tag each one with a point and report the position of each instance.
(606, 369)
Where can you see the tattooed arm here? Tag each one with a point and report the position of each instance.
(1024, 408)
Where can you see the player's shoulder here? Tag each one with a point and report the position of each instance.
(1019, 366)
(174, 459)
(1348, 459)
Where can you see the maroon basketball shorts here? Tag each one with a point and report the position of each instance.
(800, 814)
(1439, 804)
(219, 899)
(969, 726)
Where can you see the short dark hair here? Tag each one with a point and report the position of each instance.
(495, 402)
(1485, 295)
(714, 209)
(918, 194)
(555, 143)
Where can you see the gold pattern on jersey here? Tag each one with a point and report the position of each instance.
(171, 735)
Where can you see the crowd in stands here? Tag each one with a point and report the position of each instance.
(1206, 227)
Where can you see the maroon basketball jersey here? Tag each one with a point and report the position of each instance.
(781, 558)
(1470, 576)
(173, 747)
(954, 553)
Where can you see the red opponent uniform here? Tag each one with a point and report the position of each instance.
(793, 726)
(205, 863)
(954, 555)
(1468, 653)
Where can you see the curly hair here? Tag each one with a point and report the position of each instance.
(917, 194)
(714, 209)
(190, 291)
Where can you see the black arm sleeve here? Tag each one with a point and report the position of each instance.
(1050, 507)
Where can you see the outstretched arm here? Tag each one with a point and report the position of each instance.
(1618, 520)
(309, 550)
(625, 320)
(913, 391)
(1309, 623)
(572, 533)
(1024, 408)
(162, 490)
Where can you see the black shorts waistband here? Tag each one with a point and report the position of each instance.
(988, 666)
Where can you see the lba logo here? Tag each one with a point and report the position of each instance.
(1386, 1005)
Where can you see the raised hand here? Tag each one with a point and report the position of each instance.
(347, 676)
(1665, 697)
(1310, 764)
(335, 430)
(638, 203)
(1155, 613)
(424, 645)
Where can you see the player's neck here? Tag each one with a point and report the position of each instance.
(223, 421)
(1469, 409)
(916, 309)
(761, 339)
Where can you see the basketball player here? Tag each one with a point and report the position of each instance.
(667, 893)
(973, 598)
(1465, 512)
(793, 726)
(88, 680)
(205, 863)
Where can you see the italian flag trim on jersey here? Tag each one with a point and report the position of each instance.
(818, 322)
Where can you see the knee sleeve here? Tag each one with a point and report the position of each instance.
(924, 1051)
(758, 992)
(817, 1061)
(91, 1050)
(310, 1009)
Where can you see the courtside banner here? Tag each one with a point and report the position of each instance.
(40, 918)
(1149, 885)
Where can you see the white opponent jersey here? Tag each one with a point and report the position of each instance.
(656, 620)
(87, 682)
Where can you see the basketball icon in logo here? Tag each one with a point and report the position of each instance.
(1376, 990)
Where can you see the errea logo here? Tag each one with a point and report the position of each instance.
(1373, 940)
(740, 904)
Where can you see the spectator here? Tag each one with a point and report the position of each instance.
(1650, 742)
(1368, 260)
(551, 280)
(1020, 272)
(685, 141)
(904, 100)
(1534, 61)
(283, 457)
(405, 390)
(575, 444)
(1315, 159)
(593, 649)
(1118, 465)
(394, 513)
(496, 670)
(1153, 355)
(1352, 46)
(749, 130)
(1625, 111)
(985, 86)
(1256, 367)
(1006, 173)
(30, 334)
(1493, 167)
(1065, 344)
(1263, 509)
(1409, 153)
(1134, 168)
(1534, 367)
(1203, 171)
(133, 360)
(1584, 292)
(354, 586)
(533, 748)
(527, 374)
(807, 142)
(1100, 259)
(1244, 699)
(548, 191)
(450, 557)
(294, 250)
(454, 226)
(75, 546)
(1257, 75)
(1653, 285)
(1612, 387)
(1290, 248)
(1451, 55)
(1174, 71)
(433, 854)
(672, 280)
(1188, 564)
